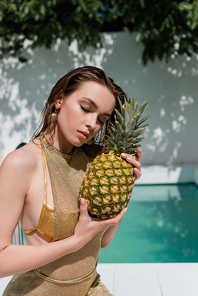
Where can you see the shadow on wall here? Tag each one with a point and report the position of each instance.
(25, 87)
(171, 89)
(172, 95)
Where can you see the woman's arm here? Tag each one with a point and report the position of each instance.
(15, 179)
(133, 160)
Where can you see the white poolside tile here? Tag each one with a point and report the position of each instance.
(3, 283)
(107, 275)
(166, 279)
(178, 279)
(136, 279)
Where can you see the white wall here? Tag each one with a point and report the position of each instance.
(172, 90)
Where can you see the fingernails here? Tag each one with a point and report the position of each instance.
(82, 201)
(125, 210)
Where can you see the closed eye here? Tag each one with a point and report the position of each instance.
(100, 121)
(86, 110)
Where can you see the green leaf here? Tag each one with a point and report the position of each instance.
(138, 37)
(155, 24)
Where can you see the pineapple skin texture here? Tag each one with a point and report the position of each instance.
(107, 186)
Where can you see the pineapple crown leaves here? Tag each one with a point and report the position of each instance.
(124, 133)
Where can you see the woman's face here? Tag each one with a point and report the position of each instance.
(83, 113)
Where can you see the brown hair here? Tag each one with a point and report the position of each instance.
(69, 84)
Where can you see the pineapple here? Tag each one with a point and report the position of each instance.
(109, 179)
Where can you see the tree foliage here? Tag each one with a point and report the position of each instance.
(164, 27)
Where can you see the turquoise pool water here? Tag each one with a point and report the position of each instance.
(161, 225)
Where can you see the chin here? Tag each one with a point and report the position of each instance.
(78, 143)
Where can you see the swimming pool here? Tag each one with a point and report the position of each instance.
(161, 225)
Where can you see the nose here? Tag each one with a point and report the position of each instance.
(91, 121)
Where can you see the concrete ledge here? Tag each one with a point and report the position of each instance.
(167, 279)
(3, 283)
(158, 174)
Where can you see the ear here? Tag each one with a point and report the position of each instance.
(59, 101)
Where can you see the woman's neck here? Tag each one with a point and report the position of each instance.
(55, 139)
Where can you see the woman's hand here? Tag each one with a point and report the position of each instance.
(134, 161)
(87, 227)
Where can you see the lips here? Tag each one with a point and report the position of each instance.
(84, 134)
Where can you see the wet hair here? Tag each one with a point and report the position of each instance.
(67, 85)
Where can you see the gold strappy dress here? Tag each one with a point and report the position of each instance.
(74, 274)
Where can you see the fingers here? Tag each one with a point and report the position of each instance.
(83, 208)
(138, 173)
(139, 154)
(121, 214)
(117, 219)
(134, 161)
(83, 204)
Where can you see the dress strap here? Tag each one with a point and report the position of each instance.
(45, 176)
(45, 194)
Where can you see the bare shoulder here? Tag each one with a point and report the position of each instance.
(23, 159)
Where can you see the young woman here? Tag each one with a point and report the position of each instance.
(39, 184)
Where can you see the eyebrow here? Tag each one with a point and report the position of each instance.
(95, 105)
